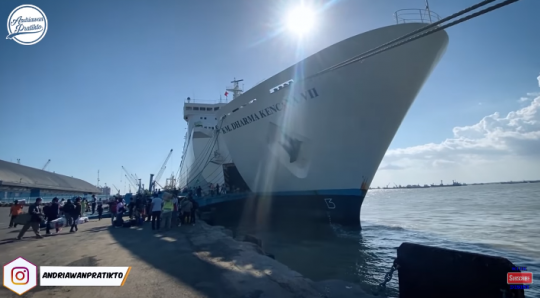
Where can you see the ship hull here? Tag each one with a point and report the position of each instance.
(292, 210)
(312, 148)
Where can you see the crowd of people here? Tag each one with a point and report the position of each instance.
(57, 213)
(163, 210)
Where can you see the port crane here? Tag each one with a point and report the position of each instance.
(161, 171)
(131, 179)
(116, 188)
(46, 164)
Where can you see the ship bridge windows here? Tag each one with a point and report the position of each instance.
(195, 108)
(216, 108)
(189, 108)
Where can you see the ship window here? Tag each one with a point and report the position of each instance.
(201, 117)
(188, 108)
(235, 110)
(216, 108)
(204, 118)
(195, 108)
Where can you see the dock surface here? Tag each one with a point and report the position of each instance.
(187, 261)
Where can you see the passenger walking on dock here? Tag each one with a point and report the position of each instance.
(157, 206)
(174, 217)
(94, 204)
(112, 210)
(68, 210)
(36, 217)
(168, 208)
(131, 207)
(187, 206)
(199, 191)
(120, 209)
(15, 210)
(100, 209)
(194, 208)
(148, 207)
(52, 214)
(77, 211)
(84, 206)
(139, 209)
(217, 189)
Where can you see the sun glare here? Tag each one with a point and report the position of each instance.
(301, 20)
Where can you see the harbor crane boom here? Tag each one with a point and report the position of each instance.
(46, 164)
(131, 182)
(134, 181)
(116, 188)
(162, 170)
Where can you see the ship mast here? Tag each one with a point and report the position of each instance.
(236, 88)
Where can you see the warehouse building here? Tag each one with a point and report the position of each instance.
(22, 182)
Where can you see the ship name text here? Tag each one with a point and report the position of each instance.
(270, 110)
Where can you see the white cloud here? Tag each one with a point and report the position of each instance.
(538, 78)
(491, 143)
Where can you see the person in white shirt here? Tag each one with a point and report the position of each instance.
(119, 210)
(157, 206)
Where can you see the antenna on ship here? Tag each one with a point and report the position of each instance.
(428, 12)
(236, 90)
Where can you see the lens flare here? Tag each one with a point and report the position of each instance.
(301, 20)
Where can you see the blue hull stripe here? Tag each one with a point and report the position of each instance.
(327, 192)
(323, 192)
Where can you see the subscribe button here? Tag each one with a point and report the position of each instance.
(519, 278)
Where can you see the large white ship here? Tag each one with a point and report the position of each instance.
(308, 142)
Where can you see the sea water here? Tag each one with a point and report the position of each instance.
(495, 219)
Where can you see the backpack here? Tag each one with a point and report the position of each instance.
(113, 208)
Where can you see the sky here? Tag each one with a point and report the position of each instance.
(105, 87)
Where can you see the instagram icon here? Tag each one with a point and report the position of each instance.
(19, 275)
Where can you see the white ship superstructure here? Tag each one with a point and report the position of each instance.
(204, 153)
(312, 143)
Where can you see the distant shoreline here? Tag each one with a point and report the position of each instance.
(417, 186)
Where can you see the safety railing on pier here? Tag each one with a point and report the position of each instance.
(416, 15)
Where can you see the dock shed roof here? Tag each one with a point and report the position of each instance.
(16, 175)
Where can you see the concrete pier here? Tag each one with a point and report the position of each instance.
(188, 261)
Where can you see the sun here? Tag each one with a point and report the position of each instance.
(301, 20)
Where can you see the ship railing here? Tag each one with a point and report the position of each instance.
(203, 101)
(416, 15)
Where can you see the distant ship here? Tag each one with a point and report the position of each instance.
(306, 143)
